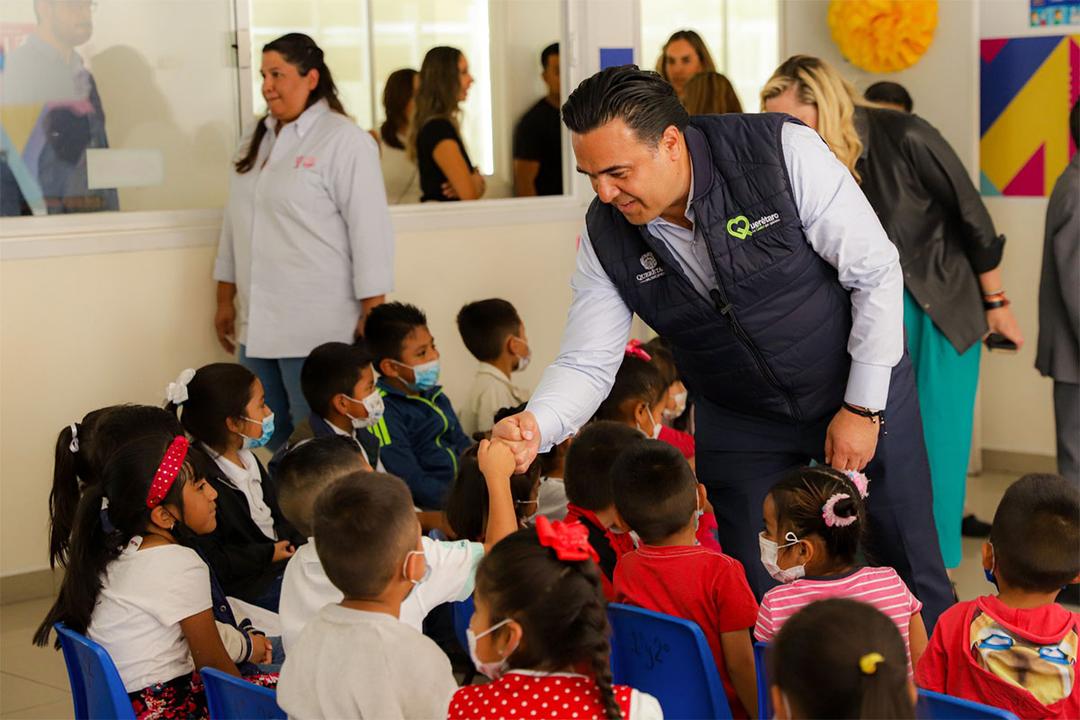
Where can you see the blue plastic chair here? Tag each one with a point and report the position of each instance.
(96, 688)
(764, 697)
(935, 706)
(233, 698)
(668, 658)
(463, 612)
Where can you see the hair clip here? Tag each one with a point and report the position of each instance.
(176, 392)
(635, 349)
(73, 446)
(569, 540)
(828, 512)
(167, 471)
(860, 481)
(869, 662)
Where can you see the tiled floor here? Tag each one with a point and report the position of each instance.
(33, 681)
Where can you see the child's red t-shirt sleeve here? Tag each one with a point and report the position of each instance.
(736, 607)
(932, 672)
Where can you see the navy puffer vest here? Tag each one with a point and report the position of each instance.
(771, 339)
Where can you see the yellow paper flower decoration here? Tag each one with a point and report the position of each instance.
(883, 35)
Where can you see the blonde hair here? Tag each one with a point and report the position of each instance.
(818, 84)
(702, 50)
(710, 93)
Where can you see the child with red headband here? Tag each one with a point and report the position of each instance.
(134, 585)
(540, 632)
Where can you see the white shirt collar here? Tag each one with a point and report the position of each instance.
(489, 369)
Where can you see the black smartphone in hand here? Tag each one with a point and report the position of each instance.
(996, 342)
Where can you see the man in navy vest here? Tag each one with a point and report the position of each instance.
(744, 242)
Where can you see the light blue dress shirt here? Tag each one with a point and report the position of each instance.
(840, 226)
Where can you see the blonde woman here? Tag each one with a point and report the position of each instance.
(435, 143)
(684, 55)
(710, 93)
(949, 250)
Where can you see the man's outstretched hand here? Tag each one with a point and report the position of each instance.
(521, 433)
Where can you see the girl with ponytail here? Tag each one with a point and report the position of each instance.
(134, 584)
(815, 519)
(840, 659)
(540, 632)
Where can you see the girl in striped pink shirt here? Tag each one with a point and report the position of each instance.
(814, 522)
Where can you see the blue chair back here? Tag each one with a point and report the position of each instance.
(668, 658)
(96, 688)
(463, 612)
(764, 697)
(935, 706)
(233, 698)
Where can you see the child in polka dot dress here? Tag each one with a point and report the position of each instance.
(540, 633)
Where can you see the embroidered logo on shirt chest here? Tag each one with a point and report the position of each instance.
(652, 268)
(740, 226)
(304, 161)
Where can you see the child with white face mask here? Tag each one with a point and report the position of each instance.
(815, 519)
(540, 633)
(637, 394)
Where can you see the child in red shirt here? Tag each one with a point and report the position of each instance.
(1017, 650)
(658, 496)
(672, 405)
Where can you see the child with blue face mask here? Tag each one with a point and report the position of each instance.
(222, 406)
(420, 437)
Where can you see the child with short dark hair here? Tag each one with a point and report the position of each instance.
(672, 404)
(338, 382)
(540, 633)
(670, 572)
(841, 659)
(312, 466)
(1017, 649)
(355, 658)
(638, 388)
(223, 407)
(815, 520)
(493, 332)
(467, 503)
(421, 436)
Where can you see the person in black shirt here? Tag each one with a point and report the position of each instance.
(538, 137)
(446, 172)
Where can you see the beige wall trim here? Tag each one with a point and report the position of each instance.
(30, 585)
(1018, 462)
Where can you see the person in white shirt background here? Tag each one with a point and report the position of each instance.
(768, 272)
(306, 247)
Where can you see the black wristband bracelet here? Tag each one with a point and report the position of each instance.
(995, 304)
(876, 415)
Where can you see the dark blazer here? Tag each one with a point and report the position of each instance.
(934, 215)
(238, 552)
(1059, 289)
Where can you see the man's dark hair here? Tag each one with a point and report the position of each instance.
(552, 49)
(307, 468)
(387, 327)
(1074, 122)
(655, 489)
(642, 99)
(889, 92)
(1036, 532)
(484, 326)
(331, 369)
(589, 460)
(364, 526)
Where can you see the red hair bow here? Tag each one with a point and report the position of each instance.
(635, 348)
(569, 540)
(167, 471)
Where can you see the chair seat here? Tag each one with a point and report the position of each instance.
(96, 688)
(232, 698)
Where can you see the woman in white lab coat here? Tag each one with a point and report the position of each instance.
(306, 247)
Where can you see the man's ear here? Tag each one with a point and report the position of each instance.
(669, 141)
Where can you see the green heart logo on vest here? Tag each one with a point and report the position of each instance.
(739, 227)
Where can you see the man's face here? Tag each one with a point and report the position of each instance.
(551, 74)
(70, 21)
(640, 179)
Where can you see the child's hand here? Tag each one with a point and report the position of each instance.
(496, 460)
(283, 550)
(262, 653)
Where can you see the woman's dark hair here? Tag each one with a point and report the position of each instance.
(467, 502)
(396, 96)
(99, 434)
(560, 606)
(696, 42)
(643, 100)
(663, 359)
(800, 500)
(890, 92)
(710, 93)
(217, 392)
(823, 661)
(637, 379)
(301, 52)
(440, 88)
(100, 534)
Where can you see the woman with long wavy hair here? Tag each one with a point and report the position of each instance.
(435, 143)
(949, 251)
(684, 55)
